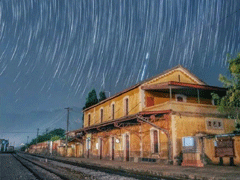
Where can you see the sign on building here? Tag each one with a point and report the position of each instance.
(189, 144)
(224, 147)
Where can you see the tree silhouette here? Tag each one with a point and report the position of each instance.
(102, 96)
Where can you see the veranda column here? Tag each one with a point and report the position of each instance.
(141, 146)
(170, 91)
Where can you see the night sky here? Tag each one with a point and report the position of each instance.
(52, 53)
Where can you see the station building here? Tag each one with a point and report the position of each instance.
(148, 121)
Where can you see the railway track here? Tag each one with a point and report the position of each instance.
(74, 170)
(42, 170)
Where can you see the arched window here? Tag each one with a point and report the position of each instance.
(180, 99)
(89, 119)
(113, 111)
(154, 133)
(101, 115)
(126, 106)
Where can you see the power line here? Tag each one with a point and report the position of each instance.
(56, 119)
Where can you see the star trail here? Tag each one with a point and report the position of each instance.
(52, 53)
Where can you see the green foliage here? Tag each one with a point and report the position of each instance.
(48, 136)
(102, 96)
(230, 103)
(91, 99)
(55, 138)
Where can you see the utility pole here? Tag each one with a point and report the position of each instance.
(27, 139)
(37, 134)
(68, 109)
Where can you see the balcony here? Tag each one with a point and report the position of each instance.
(184, 107)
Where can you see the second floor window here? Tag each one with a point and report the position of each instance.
(89, 119)
(126, 106)
(113, 109)
(181, 98)
(101, 115)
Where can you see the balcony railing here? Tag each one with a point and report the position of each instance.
(184, 107)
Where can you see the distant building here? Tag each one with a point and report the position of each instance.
(4, 144)
(147, 121)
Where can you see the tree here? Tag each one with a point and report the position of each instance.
(102, 96)
(57, 132)
(91, 99)
(48, 136)
(230, 103)
(55, 138)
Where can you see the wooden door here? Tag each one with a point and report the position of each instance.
(100, 148)
(112, 148)
(88, 153)
(127, 147)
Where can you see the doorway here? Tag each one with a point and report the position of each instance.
(112, 147)
(127, 147)
(77, 150)
(100, 148)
